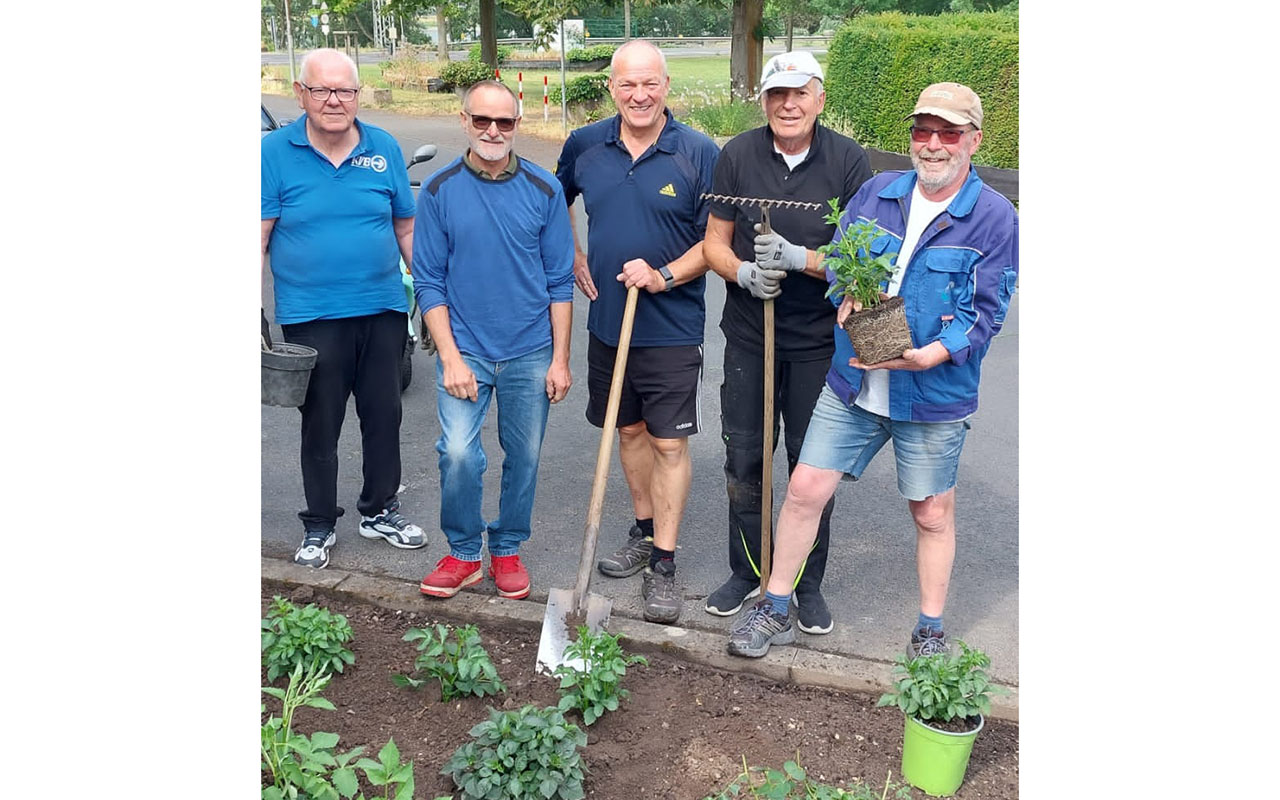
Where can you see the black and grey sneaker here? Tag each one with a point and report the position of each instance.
(814, 616)
(762, 628)
(728, 599)
(660, 593)
(394, 528)
(314, 550)
(926, 642)
(633, 557)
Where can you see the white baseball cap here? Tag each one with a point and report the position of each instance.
(789, 70)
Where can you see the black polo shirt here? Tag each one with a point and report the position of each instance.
(749, 167)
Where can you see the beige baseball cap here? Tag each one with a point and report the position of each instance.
(953, 102)
(789, 70)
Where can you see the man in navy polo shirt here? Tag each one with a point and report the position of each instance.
(792, 157)
(641, 175)
(337, 215)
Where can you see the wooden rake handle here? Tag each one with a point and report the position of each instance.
(766, 480)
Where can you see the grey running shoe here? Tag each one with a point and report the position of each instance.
(660, 593)
(926, 642)
(814, 615)
(392, 526)
(633, 557)
(314, 550)
(759, 630)
(728, 599)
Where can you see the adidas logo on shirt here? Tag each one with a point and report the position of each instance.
(668, 190)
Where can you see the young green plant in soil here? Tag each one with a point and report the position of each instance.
(459, 662)
(301, 766)
(857, 274)
(793, 783)
(312, 636)
(878, 331)
(530, 753)
(597, 687)
(946, 690)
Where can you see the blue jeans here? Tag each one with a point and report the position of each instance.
(522, 421)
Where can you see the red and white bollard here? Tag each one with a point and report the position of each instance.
(544, 98)
(497, 74)
(520, 95)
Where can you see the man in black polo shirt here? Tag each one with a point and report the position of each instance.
(792, 157)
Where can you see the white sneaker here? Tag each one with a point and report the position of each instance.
(392, 526)
(314, 550)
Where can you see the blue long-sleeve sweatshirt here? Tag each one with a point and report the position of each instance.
(498, 253)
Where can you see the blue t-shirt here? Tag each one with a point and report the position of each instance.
(651, 208)
(333, 249)
(498, 253)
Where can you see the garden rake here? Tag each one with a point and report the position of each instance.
(766, 480)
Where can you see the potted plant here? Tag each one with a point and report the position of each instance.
(879, 331)
(944, 697)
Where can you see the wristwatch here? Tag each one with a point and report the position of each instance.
(665, 272)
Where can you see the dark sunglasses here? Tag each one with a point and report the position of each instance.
(505, 124)
(945, 135)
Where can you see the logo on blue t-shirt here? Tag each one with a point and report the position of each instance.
(375, 163)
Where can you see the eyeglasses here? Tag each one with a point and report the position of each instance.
(481, 123)
(322, 93)
(945, 135)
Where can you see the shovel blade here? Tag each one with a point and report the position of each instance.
(560, 625)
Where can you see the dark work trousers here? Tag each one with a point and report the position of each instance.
(796, 385)
(360, 355)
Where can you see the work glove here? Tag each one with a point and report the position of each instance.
(775, 252)
(762, 283)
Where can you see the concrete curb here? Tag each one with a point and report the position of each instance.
(793, 664)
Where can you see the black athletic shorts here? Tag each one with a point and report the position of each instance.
(660, 387)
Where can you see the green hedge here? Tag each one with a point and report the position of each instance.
(591, 53)
(461, 74)
(590, 88)
(473, 53)
(878, 64)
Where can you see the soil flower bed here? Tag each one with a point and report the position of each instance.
(682, 734)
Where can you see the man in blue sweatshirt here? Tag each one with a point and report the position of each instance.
(493, 275)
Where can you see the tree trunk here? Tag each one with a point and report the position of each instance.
(626, 20)
(488, 36)
(747, 49)
(442, 36)
(791, 24)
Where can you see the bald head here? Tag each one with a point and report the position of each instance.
(637, 54)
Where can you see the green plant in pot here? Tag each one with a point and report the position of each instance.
(879, 330)
(945, 697)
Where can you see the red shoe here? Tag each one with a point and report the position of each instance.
(449, 576)
(510, 576)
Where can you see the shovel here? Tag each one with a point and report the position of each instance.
(566, 609)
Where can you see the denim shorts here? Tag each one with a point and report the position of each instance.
(846, 438)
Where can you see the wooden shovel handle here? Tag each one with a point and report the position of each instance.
(596, 508)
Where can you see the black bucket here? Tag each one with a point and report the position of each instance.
(286, 371)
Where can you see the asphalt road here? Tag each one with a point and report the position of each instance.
(870, 583)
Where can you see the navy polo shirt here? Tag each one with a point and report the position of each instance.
(333, 247)
(651, 208)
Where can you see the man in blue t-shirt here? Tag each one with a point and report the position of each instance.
(642, 175)
(493, 275)
(337, 215)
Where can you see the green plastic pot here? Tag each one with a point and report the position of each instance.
(935, 761)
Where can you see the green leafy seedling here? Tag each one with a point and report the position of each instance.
(857, 273)
(458, 661)
(943, 686)
(312, 636)
(597, 687)
(531, 753)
